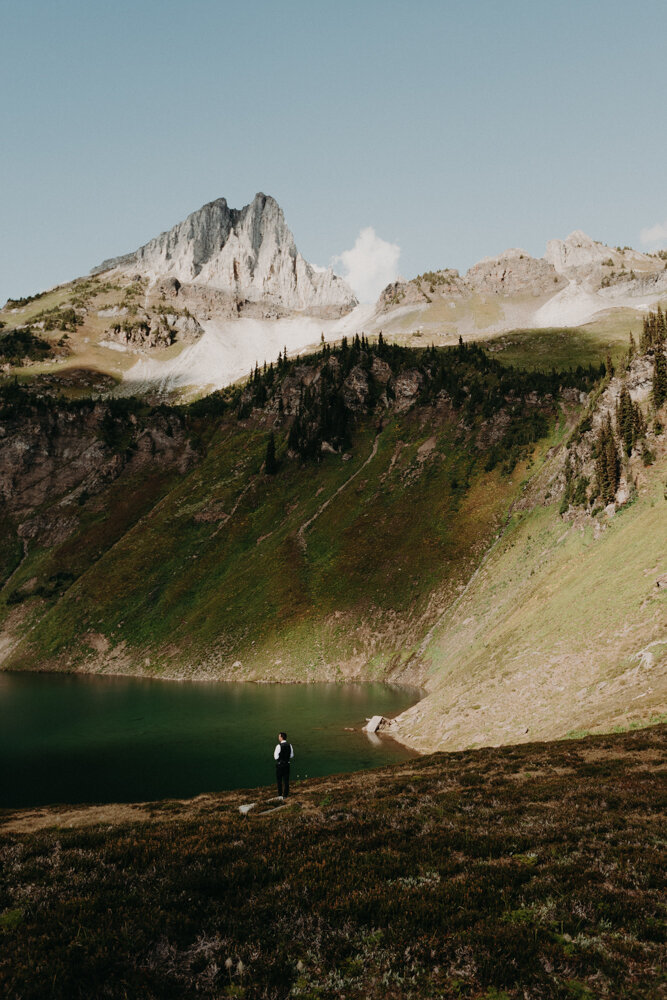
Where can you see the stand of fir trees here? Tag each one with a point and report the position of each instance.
(270, 462)
(476, 385)
(659, 379)
(629, 421)
(654, 331)
(22, 344)
(653, 340)
(614, 443)
(607, 462)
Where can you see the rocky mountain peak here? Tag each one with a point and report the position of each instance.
(248, 253)
(512, 272)
(577, 255)
(578, 238)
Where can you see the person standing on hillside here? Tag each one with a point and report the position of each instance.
(282, 755)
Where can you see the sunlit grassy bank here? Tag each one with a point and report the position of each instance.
(563, 628)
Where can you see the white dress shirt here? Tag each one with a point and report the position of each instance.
(276, 752)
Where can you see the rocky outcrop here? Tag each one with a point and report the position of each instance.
(576, 263)
(148, 330)
(514, 272)
(581, 259)
(355, 390)
(249, 254)
(577, 255)
(617, 275)
(401, 293)
(583, 449)
(447, 284)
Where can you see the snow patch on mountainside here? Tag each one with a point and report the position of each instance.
(572, 306)
(229, 349)
(576, 304)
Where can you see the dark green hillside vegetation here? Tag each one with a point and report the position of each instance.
(240, 561)
(654, 330)
(629, 421)
(67, 319)
(18, 303)
(476, 385)
(653, 339)
(19, 345)
(522, 873)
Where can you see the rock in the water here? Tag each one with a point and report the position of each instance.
(373, 724)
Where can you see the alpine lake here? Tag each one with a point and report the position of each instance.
(81, 739)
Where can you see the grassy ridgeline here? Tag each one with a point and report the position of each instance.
(507, 873)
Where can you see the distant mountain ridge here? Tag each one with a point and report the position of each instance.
(577, 280)
(247, 253)
(227, 289)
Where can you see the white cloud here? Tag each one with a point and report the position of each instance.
(654, 236)
(370, 265)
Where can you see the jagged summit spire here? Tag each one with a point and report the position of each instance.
(248, 252)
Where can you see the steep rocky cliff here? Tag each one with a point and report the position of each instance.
(248, 253)
(58, 457)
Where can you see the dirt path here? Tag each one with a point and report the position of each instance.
(301, 534)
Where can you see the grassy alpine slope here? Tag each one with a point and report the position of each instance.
(228, 571)
(563, 629)
(520, 873)
(564, 626)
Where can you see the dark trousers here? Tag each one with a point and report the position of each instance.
(282, 779)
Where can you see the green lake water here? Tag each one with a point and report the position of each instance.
(75, 739)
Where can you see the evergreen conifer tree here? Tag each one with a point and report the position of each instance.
(659, 378)
(632, 348)
(607, 465)
(625, 420)
(270, 462)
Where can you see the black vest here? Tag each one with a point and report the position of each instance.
(285, 752)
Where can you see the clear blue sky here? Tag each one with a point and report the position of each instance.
(455, 129)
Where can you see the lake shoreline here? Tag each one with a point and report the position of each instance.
(144, 675)
(82, 739)
(392, 732)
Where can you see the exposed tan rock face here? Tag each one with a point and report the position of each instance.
(576, 255)
(513, 273)
(355, 389)
(148, 330)
(249, 254)
(577, 278)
